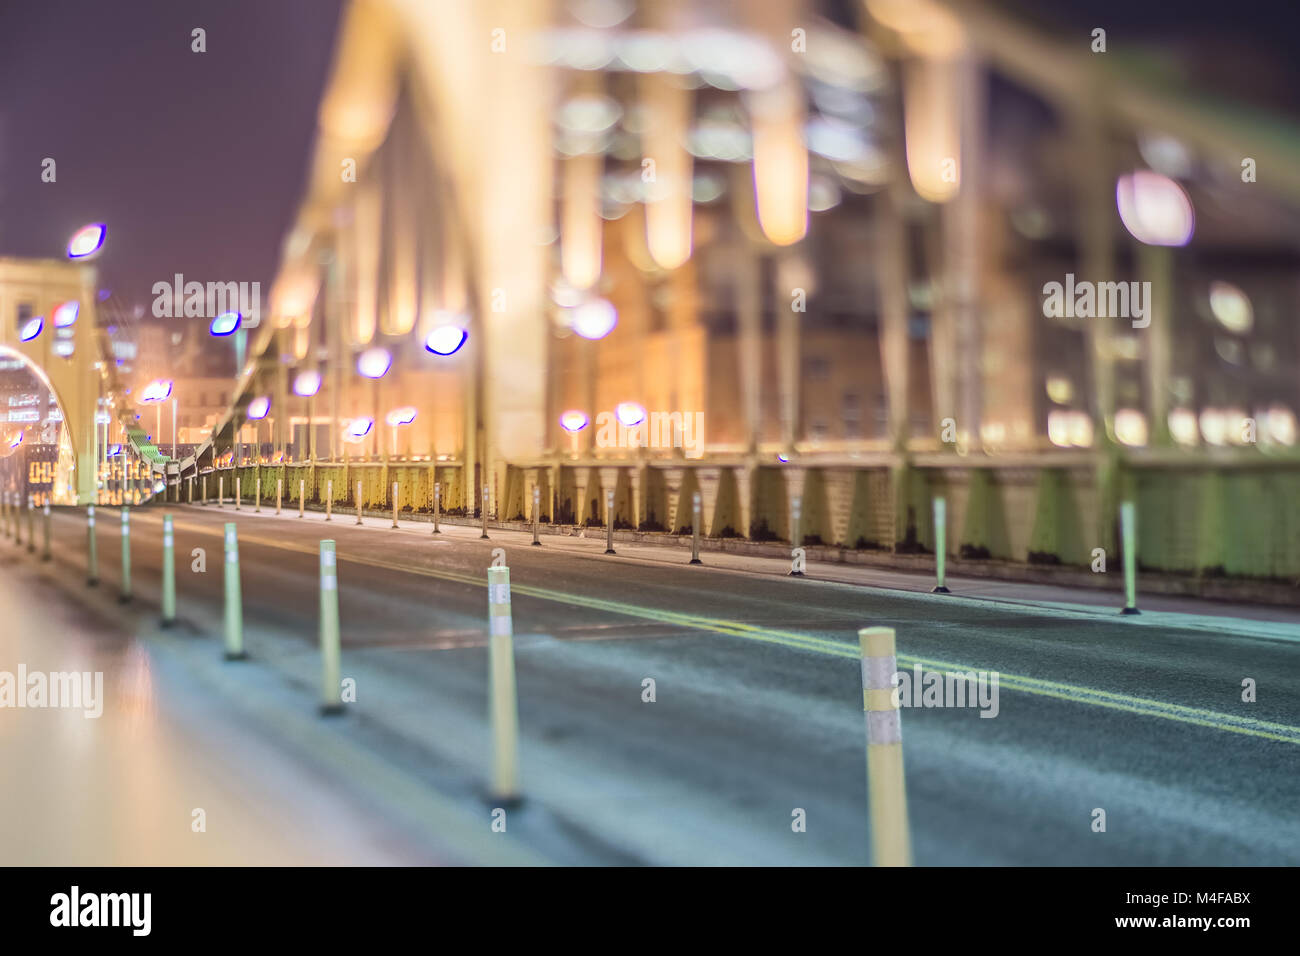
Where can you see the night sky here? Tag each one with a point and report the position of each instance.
(195, 161)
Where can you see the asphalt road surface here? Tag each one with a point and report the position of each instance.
(757, 710)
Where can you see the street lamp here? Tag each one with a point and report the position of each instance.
(400, 416)
(305, 385)
(257, 410)
(155, 393)
(574, 421)
(374, 364)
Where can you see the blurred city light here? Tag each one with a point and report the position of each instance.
(573, 421)
(31, 328)
(156, 391)
(594, 319)
(258, 408)
(1154, 209)
(306, 383)
(87, 241)
(445, 339)
(375, 363)
(401, 416)
(1131, 427)
(66, 314)
(1231, 307)
(225, 323)
(630, 413)
(357, 429)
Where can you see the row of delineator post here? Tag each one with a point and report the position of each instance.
(887, 796)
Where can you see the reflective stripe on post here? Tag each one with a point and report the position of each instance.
(92, 554)
(45, 550)
(940, 545)
(331, 700)
(234, 604)
(695, 529)
(485, 511)
(1128, 533)
(168, 574)
(537, 511)
(891, 843)
(609, 523)
(125, 594)
(394, 504)
(437, 496)
(358, 502)
(503, 707)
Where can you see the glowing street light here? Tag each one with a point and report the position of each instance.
(87, 241)
(31, 328)
(594, 319)
(66, 314)
(307, 383)
(574, 421)
(1154, 209)
(630, 414)
(446, 340)
(225, 324)
(375, 363)
(356, 430)
(258, 408)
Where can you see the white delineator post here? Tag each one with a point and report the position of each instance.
(1128, 534)
(331, 696)
(92, 553)
(125, 593)
(329, 498)
(394, 505)
(537, 511)
(796, 534)
(302, 496)
(257, 495)
(503, 706)
(168, 574)
(695, 529)
(940, 545)
(45, 550)
(609, 523)
(279, 494)
(358, 502)
(221, 491)
(31, 525)
(484, 511)
(891, 842)
(234, 603)
(239, 492)
(437, 503)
